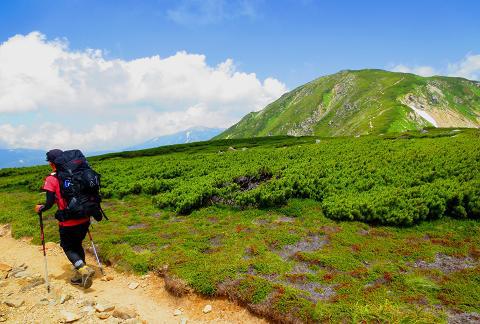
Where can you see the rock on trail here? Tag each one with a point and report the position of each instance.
(118, 298)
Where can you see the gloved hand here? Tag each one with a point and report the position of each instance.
(39, 208)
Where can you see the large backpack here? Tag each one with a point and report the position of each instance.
(79, 186)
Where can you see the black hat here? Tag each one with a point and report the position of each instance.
(53, 154)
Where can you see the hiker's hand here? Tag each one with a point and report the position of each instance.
(39, 208)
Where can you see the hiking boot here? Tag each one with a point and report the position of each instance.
(76, 278)
(86, 274)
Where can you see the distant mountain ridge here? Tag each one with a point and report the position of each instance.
(11, 158)
(195, 134)
(365, 102)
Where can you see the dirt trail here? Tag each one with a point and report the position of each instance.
(148, 303)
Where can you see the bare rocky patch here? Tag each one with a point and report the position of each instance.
(363, 232)
(247, 183)
(446, 263)
(216, 243)
(221, 201)
(244, 183)
(330, 229)
(217, 240)
(176, 219)
(284, 219)
(260, 221)
(301, 268)
(461, 318)
(309, 244)
(314, 291)
(137, 226)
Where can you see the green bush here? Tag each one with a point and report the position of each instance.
(396, 179)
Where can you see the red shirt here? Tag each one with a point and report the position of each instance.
(51, 184)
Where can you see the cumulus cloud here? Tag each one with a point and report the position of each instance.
(98, 103)
(468, 67)
(420, 70)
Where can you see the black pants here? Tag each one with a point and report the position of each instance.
(71, 238)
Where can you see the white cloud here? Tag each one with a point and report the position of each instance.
(468, 67)
(420, 70)
(100, 103)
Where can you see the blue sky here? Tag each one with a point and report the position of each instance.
(291, 40)
(107, 74)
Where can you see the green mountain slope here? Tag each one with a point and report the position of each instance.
(365, 102)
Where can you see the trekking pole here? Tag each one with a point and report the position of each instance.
(44, 251)
(95, 252)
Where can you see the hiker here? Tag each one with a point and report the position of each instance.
(72, 231)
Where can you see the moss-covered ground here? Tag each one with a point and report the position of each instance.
(289, 260)
(249, 232)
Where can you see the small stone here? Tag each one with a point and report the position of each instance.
(21, 274)
(183, 320)
(124, 313)
(69, 317)
(33, 283)
(64, 298)
(102, 308)
(107, 278)
(3, 319)
(103, 315)
(16, 270)
(14, 302)
(177, 312)
(5, 267)
(207, 309)
(133, 285)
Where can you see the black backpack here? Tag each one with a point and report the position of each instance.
(79, 186)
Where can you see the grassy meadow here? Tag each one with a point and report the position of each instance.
(376, 228)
